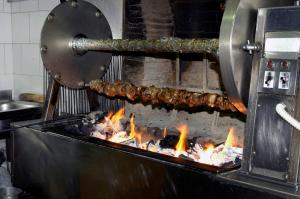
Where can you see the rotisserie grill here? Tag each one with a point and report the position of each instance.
(173, 130)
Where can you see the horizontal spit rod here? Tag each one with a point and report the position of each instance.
(167, 45)
(168, 96)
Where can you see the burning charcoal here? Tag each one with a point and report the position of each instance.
(237, 161)
(151, 142)
(87, 129)
(74, 129)
(170, 141)
(96, 115)
(99, 135)
(203, 141)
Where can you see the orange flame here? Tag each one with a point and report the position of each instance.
(232, 140)
(165, 132)
(133, 132)
(109, 115)
(118, 116)
(138, 138)
(132, 126)
(209, 146)
(180, 147)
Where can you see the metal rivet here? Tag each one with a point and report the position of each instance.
(287, 158)
(102, 68)
(74, 4)
(286, 176)
(57, 76)
(44, 49)
(254, 153)
(81, 83)
(50, 17)
(98, 14)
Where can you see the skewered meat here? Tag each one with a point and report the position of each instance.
(168, 96)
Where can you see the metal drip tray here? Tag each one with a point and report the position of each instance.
(14, 111)
(17, 106)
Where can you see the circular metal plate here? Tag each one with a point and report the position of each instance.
(65, 22)
(238, 26)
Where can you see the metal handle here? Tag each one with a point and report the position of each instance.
(280, 109)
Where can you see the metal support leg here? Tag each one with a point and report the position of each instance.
(51, 100)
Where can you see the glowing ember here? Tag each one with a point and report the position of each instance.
(180, 147)
(119, 137)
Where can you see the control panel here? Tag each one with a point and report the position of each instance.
(277, 74)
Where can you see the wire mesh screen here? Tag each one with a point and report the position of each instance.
(74, 101)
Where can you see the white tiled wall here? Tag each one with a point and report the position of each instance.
(6, 54)
(27, 18)
(21, 68)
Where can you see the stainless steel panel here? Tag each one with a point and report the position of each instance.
(74, 19)
(238, 26)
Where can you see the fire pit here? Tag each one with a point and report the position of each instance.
(173, 142)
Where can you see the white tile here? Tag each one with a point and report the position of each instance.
(20, 27)
(7, 6)
(6, 82)
(17, 58)
(28, 84)
(37, 20)
(41, 65)
(30, 59)
(8, 51)
(5, 31)
(2, 60)
(48, 4)
(26, 59)
(1, 5)
(15, 7)
(29, 5)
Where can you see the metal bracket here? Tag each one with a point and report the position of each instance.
(252, 47)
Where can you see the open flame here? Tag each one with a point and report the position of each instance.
(181, 145)
(216, 155)
(165, 132)
(115, 118)
(232, 139)
(132, 126)
(207, 153)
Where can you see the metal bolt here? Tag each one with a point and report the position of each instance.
(44, 49)
(286, 176)
(57, 76)
(102, 68)
(74, 4)
(98, 14)
(81, 83)
(50, 17)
